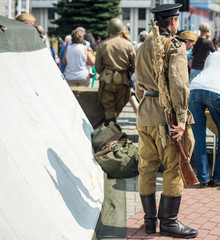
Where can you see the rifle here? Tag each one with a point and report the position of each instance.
(187, 173)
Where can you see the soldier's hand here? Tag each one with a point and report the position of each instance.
(179, 130)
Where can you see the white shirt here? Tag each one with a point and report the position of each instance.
(76, 68)
(209, 78)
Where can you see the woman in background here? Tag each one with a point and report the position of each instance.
(76, 57)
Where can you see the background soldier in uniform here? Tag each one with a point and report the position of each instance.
(190, 38)
(26, 18)
(114, 60)
(150, 117)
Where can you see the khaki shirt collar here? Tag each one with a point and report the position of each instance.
(114, 36)
(166, 31)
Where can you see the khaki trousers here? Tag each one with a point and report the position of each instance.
(152, 155)
(113, 98)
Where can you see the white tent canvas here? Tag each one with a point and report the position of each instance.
(50, 186)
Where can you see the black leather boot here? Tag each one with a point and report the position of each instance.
(169, 225)
(150, 217)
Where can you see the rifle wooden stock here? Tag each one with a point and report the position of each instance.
(187, 172)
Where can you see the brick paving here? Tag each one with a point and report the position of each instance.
(200, 208)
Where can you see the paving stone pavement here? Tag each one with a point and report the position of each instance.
(200, 208)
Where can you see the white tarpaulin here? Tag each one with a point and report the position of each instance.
(50, 186)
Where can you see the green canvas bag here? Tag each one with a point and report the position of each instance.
(115, 153)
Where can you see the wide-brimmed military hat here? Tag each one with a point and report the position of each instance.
(167, 10)
(25, 17)
(189, 35)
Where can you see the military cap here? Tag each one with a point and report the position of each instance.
(189, 35)
(167, 10)
(25, 17)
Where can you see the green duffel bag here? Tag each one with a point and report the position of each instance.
(115, 153)
(102, 134)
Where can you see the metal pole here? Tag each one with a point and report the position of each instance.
(27, 6)
(19, 7)
(30, 6)
(9, 8)
(147, 20)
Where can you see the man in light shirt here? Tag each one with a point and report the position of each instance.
(205, 93)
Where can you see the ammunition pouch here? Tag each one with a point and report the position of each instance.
(110, 76)
(117, 78)
(106, 76)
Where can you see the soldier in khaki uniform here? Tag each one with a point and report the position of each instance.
(190, 38)
(151, 115)
(114, 60)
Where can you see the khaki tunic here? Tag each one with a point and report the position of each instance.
(117, 54)
(150, 112)
(150, 115)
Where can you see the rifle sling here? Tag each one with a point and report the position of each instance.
(186, 141)
(167, 43)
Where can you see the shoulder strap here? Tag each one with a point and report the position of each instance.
(167, 43)
(112, 142)
(115, 138)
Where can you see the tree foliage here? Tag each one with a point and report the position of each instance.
(93, 15)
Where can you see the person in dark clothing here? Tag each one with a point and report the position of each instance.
(89, 37)
(201, 50)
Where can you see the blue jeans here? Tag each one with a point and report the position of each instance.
(199, 101)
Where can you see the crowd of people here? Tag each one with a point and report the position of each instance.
(168, 73)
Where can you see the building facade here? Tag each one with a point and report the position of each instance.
(135, 13)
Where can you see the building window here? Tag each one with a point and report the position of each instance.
(51, 13)
(126, 13)
(141, 13)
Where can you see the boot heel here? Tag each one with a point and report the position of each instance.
(169, 225)
(164, 233)
(150, 231)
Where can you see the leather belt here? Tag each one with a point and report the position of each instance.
(151, 93)
(122, 72)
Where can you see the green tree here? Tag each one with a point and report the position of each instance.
(93, 15)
